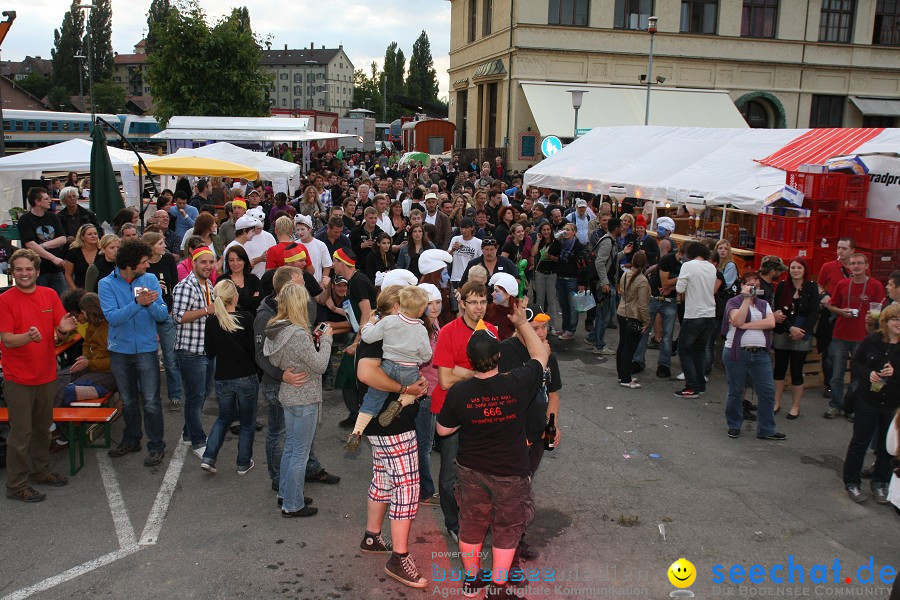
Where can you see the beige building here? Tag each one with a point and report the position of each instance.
(784, 63)
(128, 72)
(310, 79)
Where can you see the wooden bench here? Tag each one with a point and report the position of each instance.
(77, 421)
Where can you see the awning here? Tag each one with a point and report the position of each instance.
(247, 135)
(877, 107)
(818, 145)
(197, 166)
(246, 123)
(617, 105)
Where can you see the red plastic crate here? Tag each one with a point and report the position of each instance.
(820, 256)
(871, 233)
(784, 229)
(825, 225)
(782, 250)
(828, 186)
(883, 262)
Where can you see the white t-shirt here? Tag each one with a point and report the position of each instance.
(384, 222)
(467, 251)
(431, 218)
(318, 257)
(752, 338)
(697, 281)
(258, 245)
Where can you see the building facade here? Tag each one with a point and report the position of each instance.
(128, 72)
(784, 63)
(310, 79)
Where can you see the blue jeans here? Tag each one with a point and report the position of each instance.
(447, 481)
(840, 351)
(374, 399)
(275, 430)
(758, 367)
(605, 308)
(424, 438)
(300, 428)
(236, 398)
(565, 287)
(138, 375)
(692, 341)
(193, 369)
(668, 311)
(166, 332)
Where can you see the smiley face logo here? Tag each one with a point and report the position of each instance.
(682, 573)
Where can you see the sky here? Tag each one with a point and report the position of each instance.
(365, 33)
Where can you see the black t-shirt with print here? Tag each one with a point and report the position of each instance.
(491, 416)
(513, 354)
(360, 288)
(405, 419)
(43, 229)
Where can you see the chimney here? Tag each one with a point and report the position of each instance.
(285, 47)
(312, 45)
(323, 47)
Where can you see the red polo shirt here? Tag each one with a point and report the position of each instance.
(450, 351)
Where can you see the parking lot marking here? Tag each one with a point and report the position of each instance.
(72, 573)
(161, 505)
(124, 528)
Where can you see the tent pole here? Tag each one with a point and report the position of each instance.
(724, 215)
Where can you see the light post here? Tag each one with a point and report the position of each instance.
(577, 96)
(89, 7)
(80, 58)
(651, 28)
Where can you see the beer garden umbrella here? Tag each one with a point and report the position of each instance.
(106, 198)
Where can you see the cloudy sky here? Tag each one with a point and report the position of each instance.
(364, 32)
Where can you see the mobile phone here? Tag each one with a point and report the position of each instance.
(321, 328)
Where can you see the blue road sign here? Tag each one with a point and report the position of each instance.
(550, 146)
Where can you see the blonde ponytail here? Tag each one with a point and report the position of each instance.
(226, 292)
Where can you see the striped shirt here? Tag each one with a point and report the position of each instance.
(190, 294)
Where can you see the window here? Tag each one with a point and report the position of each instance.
(298, 103)
(310, 77)
(298, 90)
(462, 111)
(20, 126)
(320, 88)
(284, 88)
(54, 126)
(759, 18)
(473, 19)
(321, 101)
(488, 14)
(271, 101)
(32, 126)
(309, 104)
(284, 75)
(827, 111)
(298, 78)
(569, 12)
(887, 23)
(633, 14)
(492, 115)
(65, 126)
(43, 125)
(836, 21)
(699, 16)
(320, 76)
(7, 125)
(756, 115)
(284, 101)
(879, 121)
(117, 79)
(310, 90)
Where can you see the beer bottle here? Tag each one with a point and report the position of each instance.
(550, 434)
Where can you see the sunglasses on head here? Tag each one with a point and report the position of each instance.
(489, 242)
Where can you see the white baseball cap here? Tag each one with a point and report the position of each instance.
(506, 282)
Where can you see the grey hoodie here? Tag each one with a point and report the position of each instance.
(291, 346)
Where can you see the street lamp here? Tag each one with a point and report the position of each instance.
(577, 96)
(80, 58)
(651, 28)
(89, 7)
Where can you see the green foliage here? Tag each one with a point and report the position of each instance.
(67, 43)
(421, 83)
(35, 84)
(366, 91)
(394, 70)
(158, 13)
(99, 27)
(109, 97)
(196, 69)
(59, 98)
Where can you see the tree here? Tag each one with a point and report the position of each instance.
(35, 84)
(421, 83)
(99, 27)
(188, 52)
(59, 99)
(67, 43)
(394, 70)
(366, 91)
(108, 97)
(158, 13)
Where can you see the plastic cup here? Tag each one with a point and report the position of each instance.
(875, 310)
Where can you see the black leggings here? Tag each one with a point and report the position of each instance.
(796, 360)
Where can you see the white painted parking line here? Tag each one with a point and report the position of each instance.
(124, 528)
(72, 573)
(161, 505)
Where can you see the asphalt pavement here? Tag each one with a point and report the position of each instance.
(640, 479)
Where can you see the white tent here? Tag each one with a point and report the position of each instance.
(73, 155)
(690, 165)
(280, 172)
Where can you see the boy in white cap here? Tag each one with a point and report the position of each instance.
(406, 347)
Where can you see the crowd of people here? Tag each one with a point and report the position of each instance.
(427, 296)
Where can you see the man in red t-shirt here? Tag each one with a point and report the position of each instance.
(850, 304)
(829, 276)
(453, 366)
(29, 316)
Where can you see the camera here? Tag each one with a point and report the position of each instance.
(854, 312)
(559, 234)
(759, 292)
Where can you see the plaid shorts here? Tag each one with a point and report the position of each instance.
(395, 473)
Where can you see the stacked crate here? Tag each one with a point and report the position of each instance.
(879, 240)
(831, 198)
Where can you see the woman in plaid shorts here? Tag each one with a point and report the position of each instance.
(395, 461)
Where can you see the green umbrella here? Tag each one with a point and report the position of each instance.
(106, 199)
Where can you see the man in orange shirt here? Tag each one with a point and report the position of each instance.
(29, 316)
